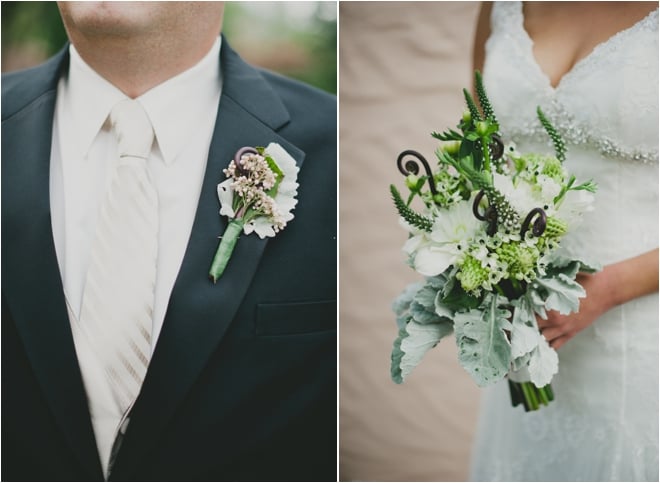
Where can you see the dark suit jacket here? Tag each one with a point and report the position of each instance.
(242, 384)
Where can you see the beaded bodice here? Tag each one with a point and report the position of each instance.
(608, 101)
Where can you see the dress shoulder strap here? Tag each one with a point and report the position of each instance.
(506, 16)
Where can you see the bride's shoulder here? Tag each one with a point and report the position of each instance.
(505, 14)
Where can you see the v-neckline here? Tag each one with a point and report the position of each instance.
(581, 61)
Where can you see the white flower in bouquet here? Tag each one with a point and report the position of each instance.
(451, 234)
(519, 194)
(574, 205)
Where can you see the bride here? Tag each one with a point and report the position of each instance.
(593, 69)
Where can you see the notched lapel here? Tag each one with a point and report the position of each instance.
(199, 312)
(32, 284)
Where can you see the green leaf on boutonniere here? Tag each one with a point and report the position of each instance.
(275, 169)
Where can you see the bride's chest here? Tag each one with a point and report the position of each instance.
(608, 98)
(561, 37)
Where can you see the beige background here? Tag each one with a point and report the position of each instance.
(402, 68)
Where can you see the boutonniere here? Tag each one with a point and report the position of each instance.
(257, 196)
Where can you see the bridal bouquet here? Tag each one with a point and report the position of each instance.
(488, 241)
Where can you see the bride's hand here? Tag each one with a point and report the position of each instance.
(614, 285)
(558, 329)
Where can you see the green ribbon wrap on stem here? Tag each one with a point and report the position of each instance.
(225, 249)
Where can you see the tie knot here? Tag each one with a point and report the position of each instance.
(133, 129)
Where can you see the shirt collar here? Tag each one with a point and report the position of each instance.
(87, 99)
(174, 106)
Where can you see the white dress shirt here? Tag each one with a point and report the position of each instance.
(182, 111)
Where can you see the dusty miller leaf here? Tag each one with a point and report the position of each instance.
(483, 347)
(420, 327)
(395, 367)
(561, 258)
(423, 306)
(525, 332)
(563, 293)
(528, 346)
(414, 341)
(401, 305)
(543, 363)
(441, 309)
(520, 362)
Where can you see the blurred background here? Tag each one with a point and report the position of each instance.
(402, 66)
(297, 39)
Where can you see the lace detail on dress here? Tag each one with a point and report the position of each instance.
(648, 24)
(623, 68)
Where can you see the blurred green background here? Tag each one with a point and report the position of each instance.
(297, 39)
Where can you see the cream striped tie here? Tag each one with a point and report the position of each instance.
(118, 300)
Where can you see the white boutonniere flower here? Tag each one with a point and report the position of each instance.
(258, 196)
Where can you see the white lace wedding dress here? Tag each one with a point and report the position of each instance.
(603, 424)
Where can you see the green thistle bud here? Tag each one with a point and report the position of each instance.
(520, 259)
(508, 252)
(553, 169)
(555, 228)
(472, 274)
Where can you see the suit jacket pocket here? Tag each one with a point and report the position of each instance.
(296, 318)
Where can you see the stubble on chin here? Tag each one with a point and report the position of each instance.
(119, 19)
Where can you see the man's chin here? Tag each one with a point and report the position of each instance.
(120, 19)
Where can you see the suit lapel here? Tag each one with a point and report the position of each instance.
(200, 312)
(31, 279)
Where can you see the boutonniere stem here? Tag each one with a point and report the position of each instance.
(225, 249)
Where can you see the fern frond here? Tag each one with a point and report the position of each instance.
(483, 97)
(557, 140)
(414, 219)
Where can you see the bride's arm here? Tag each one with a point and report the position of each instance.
(481, 35)
(616, 284)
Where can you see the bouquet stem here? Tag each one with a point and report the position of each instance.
(529, 395)
(225, 249)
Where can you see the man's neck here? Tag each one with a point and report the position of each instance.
(135, 66)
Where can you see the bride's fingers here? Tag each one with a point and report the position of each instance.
(542, 323)
(553, 320)
(559, 341)
(552, 333)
